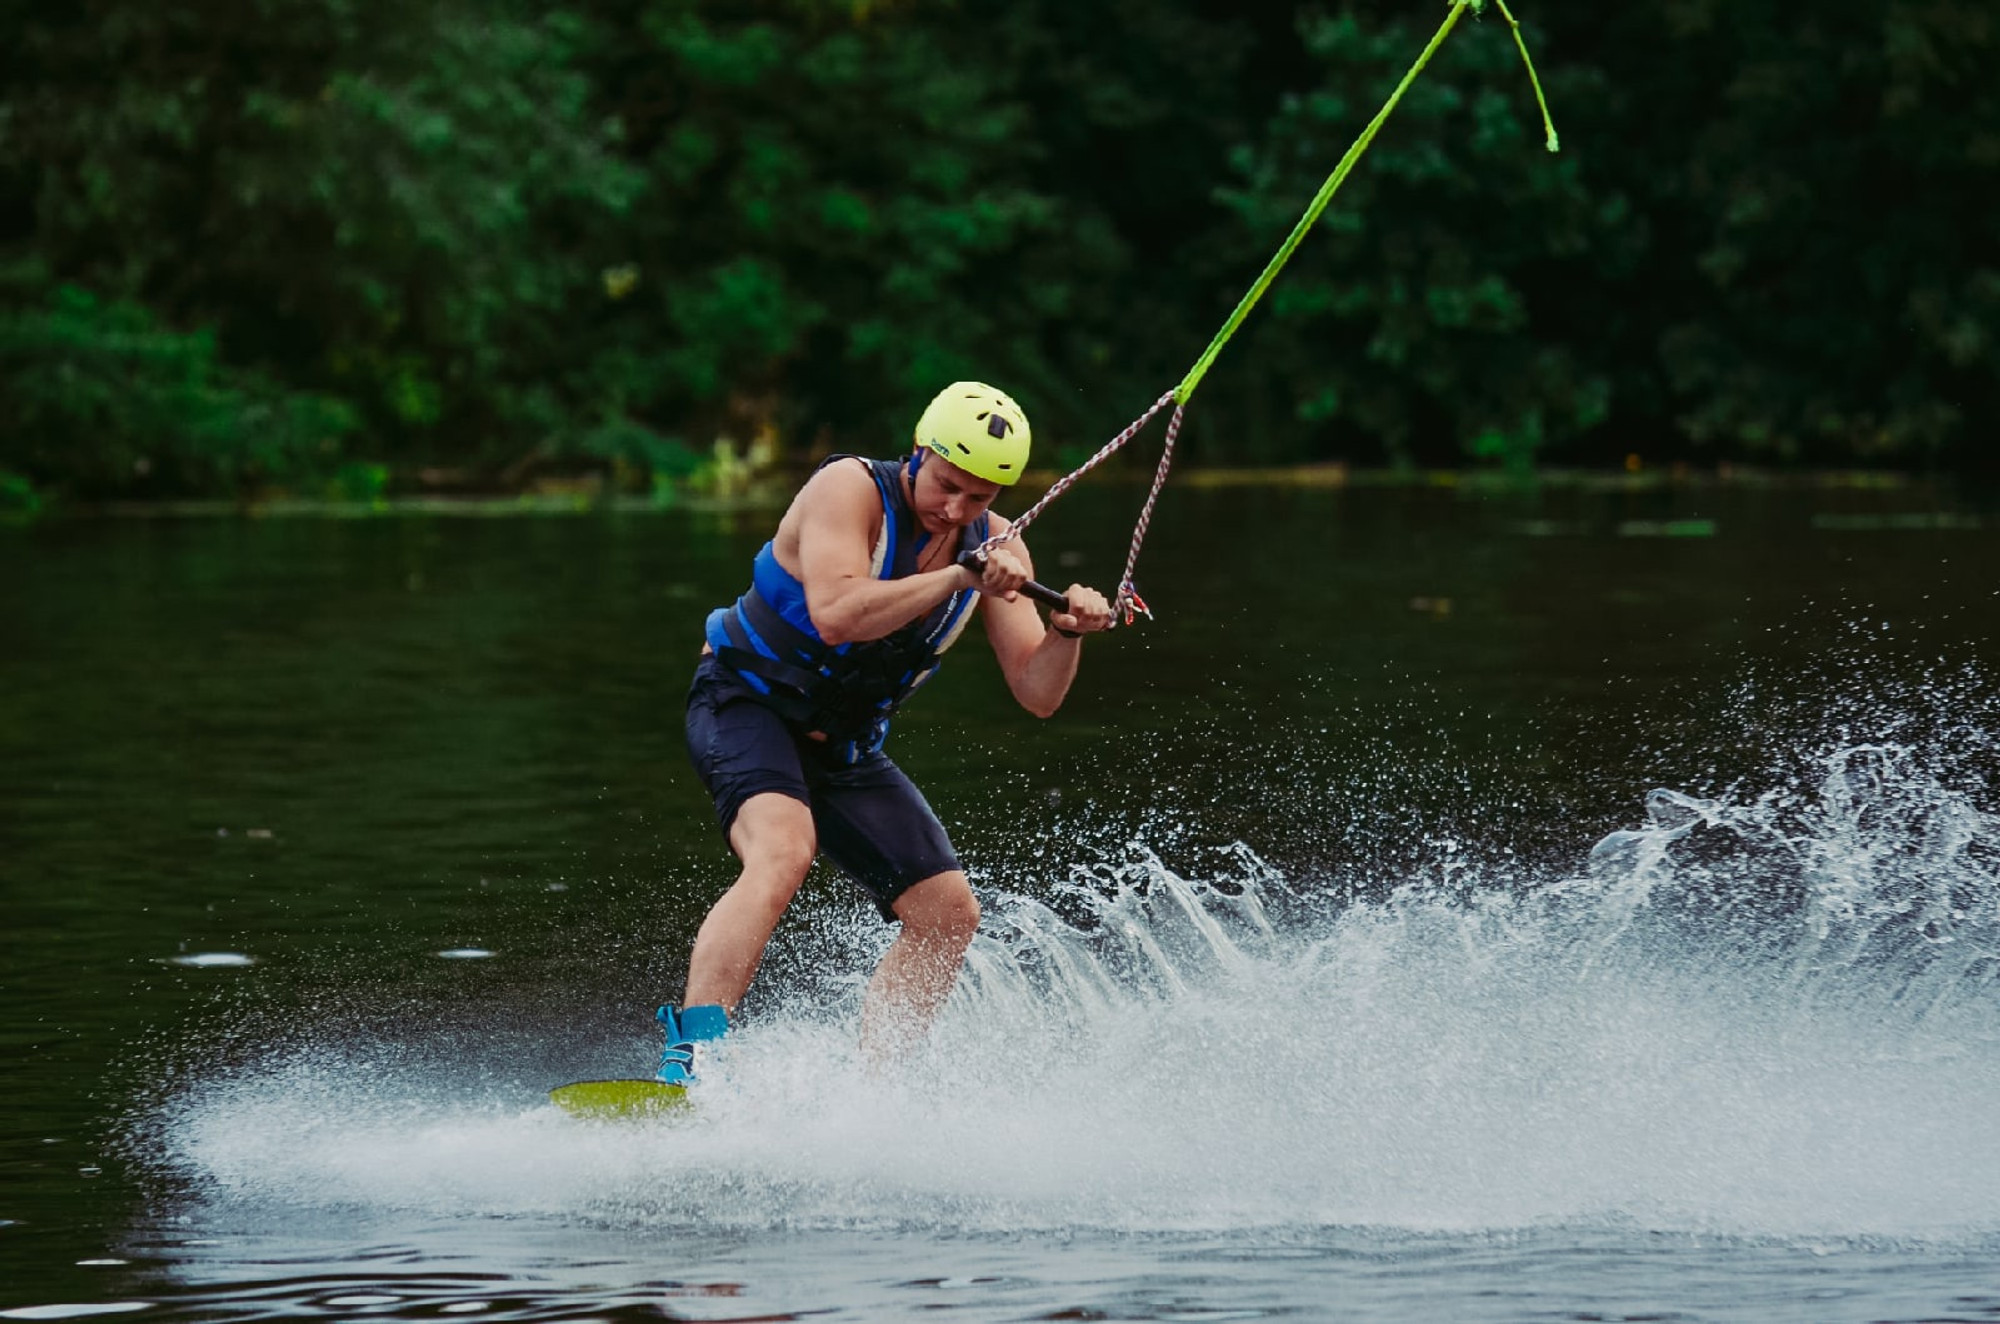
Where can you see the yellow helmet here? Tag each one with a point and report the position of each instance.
(979, 429)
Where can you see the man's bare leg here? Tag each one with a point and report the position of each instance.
(939, 916)
(773, 836)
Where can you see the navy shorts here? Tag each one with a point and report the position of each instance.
(871, 819)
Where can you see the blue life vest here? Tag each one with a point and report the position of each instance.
(847, 692)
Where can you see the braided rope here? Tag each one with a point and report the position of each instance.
(1128, 600)
(1062, 485)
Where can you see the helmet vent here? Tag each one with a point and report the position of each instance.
(996, 426)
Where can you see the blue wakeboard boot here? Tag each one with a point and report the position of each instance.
(685, 1027)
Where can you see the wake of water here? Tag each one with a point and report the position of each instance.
(1766, 1012)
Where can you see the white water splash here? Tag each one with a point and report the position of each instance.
(211, 960)
(1770, 1014)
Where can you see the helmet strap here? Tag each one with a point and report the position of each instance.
(910, 467)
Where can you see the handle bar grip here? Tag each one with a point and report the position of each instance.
(1042, 593)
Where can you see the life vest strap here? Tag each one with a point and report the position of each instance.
(846, 693)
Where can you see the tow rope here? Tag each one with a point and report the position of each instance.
(1127, 605)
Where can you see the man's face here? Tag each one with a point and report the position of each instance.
(946, 497)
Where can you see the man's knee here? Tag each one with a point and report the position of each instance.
(774, 837)
(940, 909)
(788, 857)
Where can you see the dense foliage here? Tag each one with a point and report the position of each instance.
(256, 244)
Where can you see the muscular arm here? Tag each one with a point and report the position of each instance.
(1039, 663)
(827, 539)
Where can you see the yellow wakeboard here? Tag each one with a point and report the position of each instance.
(619, 1100)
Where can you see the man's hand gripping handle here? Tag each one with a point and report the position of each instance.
(975, 561)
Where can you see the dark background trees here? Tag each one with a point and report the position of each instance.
(255, 244)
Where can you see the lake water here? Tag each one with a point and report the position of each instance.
(1572, 904)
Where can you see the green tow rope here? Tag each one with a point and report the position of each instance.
(1128, 601)
(1185, 390)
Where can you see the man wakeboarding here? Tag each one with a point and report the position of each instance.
(852, 603)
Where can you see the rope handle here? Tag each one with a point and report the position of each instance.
(975, 561)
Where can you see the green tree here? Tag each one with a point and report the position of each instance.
(835, 197)
(393, 204)
(1423, 319)
(1832, 292)
(292, 234)
(102, 400)
(1137, 106)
